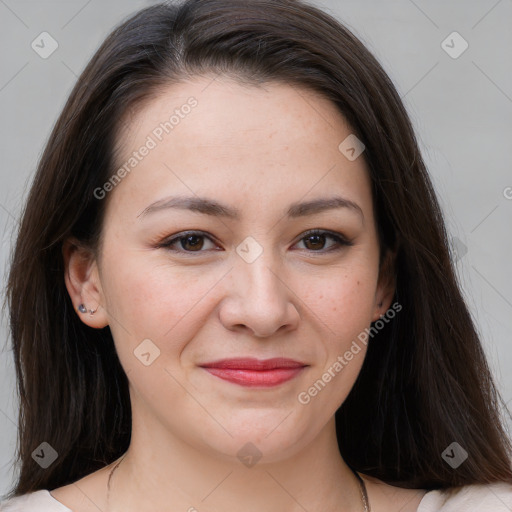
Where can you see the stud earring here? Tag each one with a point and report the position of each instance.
(83, 309)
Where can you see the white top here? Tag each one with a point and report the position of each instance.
(496, 497)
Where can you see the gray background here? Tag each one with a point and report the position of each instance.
(461, 108)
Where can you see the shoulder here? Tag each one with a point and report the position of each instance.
(84, 495)
(38, 501)
(495, 497)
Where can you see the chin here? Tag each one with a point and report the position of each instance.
(267, 440)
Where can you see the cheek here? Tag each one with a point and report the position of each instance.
(346, 303)
(152, 300)
(345, 309)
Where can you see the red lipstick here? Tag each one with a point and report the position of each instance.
(254, 372)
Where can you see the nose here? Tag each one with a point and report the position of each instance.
(258, 299)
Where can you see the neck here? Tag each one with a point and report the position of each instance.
(162, 472)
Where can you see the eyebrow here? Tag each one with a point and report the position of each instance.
(214, 208)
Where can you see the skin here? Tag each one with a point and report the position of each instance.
(256, 149)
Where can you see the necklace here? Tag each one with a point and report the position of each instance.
(109, 478)
(364, 493)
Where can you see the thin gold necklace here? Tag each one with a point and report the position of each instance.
(362, 486)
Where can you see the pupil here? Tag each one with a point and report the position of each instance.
(193, 240)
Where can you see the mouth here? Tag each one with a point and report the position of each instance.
(252, 372)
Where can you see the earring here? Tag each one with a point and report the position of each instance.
(83, 309)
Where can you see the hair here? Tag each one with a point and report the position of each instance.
(425, 382)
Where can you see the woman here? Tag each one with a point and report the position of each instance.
(232, 286)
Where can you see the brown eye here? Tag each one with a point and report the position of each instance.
(192, 242)
(188, 243)
(316, 240)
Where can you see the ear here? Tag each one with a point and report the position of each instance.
(83, 283)
(386, 285)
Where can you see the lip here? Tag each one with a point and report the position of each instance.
(253, 372)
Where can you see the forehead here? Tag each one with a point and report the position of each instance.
(209, 134)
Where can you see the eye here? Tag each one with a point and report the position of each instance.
(315, 240)
(191, 241)
(196, 241)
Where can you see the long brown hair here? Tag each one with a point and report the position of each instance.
(425, 382)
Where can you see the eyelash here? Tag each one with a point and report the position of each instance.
(340, 240)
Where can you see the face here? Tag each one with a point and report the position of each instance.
(242, 232)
